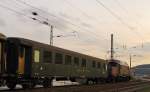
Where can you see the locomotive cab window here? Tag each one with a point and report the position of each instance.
(36, 56)
(58, 58)
(76, 61)
(83, 64)
(68, 60)
(47, 56)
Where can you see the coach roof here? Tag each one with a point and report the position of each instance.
(38, 44)
(2, 36)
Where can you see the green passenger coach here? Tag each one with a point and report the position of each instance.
(37, 63)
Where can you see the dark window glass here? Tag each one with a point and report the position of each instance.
(58, 58)
(83, 64)
(93, 64)
(104, 66)
(68, 60)
(22, 51)
(98, 65)
(47, 56)
(76, 61)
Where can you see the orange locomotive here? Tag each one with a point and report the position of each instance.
(118, 71)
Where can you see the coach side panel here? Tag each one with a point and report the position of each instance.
(50, 62)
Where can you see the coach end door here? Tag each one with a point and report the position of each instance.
(2, 61)
(24, 64)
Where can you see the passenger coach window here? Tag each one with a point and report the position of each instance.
(104, 66)
(76, 61)
(58, 58)
(93, 64)
(47, 57)
(83, 64)
(98, 65)
(36, 56)
(68, 60)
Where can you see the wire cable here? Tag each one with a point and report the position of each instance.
(126, 12)
(60, 19)
(115, 15)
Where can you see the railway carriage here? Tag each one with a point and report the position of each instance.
(30, 63)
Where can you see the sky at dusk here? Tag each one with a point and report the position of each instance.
(86, 25)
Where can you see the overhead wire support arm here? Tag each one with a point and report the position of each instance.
(45, 23)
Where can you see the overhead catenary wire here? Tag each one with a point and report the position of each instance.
(93, 34)
(126, 12)
(114, 15)
(119, 19)
(13, 10)
(97, 36)
(34, 7)
(18, 12)
(82, 29)
(81, 11)
(77, 8)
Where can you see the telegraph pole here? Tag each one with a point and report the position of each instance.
(112, 47)
(130, 63)
(45, 23)
(130, 60)
(51, 35)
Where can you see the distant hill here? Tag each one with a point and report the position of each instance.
(142, 70)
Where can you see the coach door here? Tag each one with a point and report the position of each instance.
(24, 64)
(2, 59)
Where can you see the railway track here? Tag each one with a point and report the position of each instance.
(131, 86)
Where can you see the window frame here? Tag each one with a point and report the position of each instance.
(37, 55)
(68, 60)
(93, 63)
(50, 56)
(83, 62)
(76, 63)
(98, 64)
(56, 58)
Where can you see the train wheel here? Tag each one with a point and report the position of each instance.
(11, 85)
(87, 82)
(25, 86)
(33, 85)
(46, 83)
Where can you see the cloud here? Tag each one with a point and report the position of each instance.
(2, 23)
(86, 25)
(62, 14)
